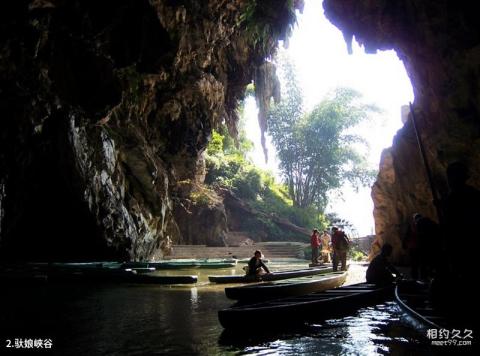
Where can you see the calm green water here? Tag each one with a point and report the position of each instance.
(159, 320)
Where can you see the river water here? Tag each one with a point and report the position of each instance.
(162, 320)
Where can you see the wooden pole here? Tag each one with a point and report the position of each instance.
(436, 200)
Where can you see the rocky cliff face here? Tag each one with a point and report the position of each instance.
(106, 106)
(439, 43)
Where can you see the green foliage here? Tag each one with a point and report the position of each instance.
(203, 196)
(344, 224)
(250, 90)
(215, 146)
(248, 184)
(230, 168)
(307, 252)
(317, 150)
(268, 21)
(356, 255)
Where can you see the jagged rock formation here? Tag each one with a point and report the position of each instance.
(439, 43)
(106, 106)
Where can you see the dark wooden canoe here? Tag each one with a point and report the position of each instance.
(210, 265)
(117, 276)
(274, 276)
(286, 288)
(286, 312)
(413, 298)
(88, 272)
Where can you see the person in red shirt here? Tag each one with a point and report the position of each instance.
(315, 243)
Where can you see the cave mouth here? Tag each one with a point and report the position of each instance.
(323, 62)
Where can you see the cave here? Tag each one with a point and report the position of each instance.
(107, 108)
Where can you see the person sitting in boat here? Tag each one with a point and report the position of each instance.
(256, 266)
(381, 271)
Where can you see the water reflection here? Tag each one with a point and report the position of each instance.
(194, 297)
(182, 320)
(369, 332)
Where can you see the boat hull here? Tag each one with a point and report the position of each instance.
(413, 300)
(286, 288)
(274, 276)
(286, 312)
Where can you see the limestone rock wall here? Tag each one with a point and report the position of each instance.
(106, 106)
(439, 43)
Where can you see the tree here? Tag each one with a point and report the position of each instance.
(344, 224)
(317, 151)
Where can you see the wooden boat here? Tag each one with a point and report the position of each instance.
(88, 272)
(286, 288)
(161, 265)
(287, 312)
(414, 300)
(217, 263)
(117, 276)
(274, 276)
(186, 264)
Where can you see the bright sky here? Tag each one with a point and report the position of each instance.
(320, 55)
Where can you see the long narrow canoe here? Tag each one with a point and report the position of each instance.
(286, 312)
(117, 276)
(274, 276)
(88, 272)
(413, 299)
(286, 288)
(182, 264)
(216, 264)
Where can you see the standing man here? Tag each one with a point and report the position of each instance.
(315, 244)
(340, 244)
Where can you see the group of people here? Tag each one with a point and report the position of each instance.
(425, 242)
(325, 248)
(326, 245)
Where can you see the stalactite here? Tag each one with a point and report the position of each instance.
(267, 86)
